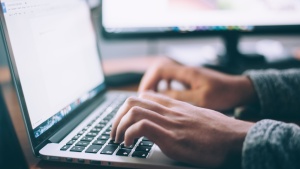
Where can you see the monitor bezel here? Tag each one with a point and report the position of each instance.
(257, 30)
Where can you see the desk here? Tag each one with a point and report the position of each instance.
(138, 64)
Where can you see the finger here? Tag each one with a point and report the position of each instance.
(151, 130)
(158, 98)
(136, 114)
(131, 102)
(168, 72)
(186, 96)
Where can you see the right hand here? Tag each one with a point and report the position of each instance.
(205, 87)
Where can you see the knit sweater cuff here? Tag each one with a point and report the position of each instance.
(270, 144)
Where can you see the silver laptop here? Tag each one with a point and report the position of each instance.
(56, 67)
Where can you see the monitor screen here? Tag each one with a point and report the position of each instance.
(54, 49)
(154, 16)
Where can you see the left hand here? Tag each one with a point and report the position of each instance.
(183, 132)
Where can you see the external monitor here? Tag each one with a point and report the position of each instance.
(174, 17)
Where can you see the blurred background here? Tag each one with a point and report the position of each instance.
(137, 28)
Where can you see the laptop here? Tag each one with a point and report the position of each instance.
(56, 67)
(10, 149)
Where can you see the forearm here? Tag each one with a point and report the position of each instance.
(277, 91)
(271, 145)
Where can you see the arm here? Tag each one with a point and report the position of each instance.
(270, 145)
(277, 91)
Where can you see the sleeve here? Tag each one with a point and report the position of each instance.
(278, 91)
(272, 145)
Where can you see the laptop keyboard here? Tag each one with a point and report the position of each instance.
(95, 137)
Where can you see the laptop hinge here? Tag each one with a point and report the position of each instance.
(64, 131)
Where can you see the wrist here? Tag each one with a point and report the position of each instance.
(245, 90)
(235, 143)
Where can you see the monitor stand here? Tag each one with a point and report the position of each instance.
(233, 62)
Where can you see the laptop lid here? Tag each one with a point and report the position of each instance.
(54, 60)
(11, 155)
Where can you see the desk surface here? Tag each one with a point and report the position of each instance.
(139, 64)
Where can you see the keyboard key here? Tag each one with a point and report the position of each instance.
(93, 149)
(64, 148)
(81, 133)
(76, 137)
(106, 133)
(90, 134)
(123, 146)
(102, 123)
(99, 142)
(143, 148)
(113, 142)
(123, 152)
(109, 128)
(87, 139)
(100, 126)
(71, 142)
(82, 143)
(77, 149)
(103, 137)
(146, 143)
(140, 154)
(145, 139)
(109, 149)
(95, 130)
(69, 159)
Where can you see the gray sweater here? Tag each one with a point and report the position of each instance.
(271, 144)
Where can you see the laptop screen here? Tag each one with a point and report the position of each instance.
(55, 51)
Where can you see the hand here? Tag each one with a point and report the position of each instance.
(182, 131)
(205, 87)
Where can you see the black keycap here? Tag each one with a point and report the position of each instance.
(77, 149)
(95, 130)
(106, 133)
(146, 143)
(113, 142)
(80, 160)
(143, 148)
(100, 125)
(109, 149)
(90, 134)
(145, 139)
(103, 137)
(87, 139)
(140, 154)
(76, 137)
(71, 142)
(69, 159)
(99, 142)
(129, 147)
(105, 121)
(64, 148)
(81, 133)
(82, 143)
(93, 149)
(109, 129)
(123, 152)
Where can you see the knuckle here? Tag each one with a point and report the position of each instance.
(134, 111)
(131, 101)
(144, 95)
(144, 124)
(192, 71)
